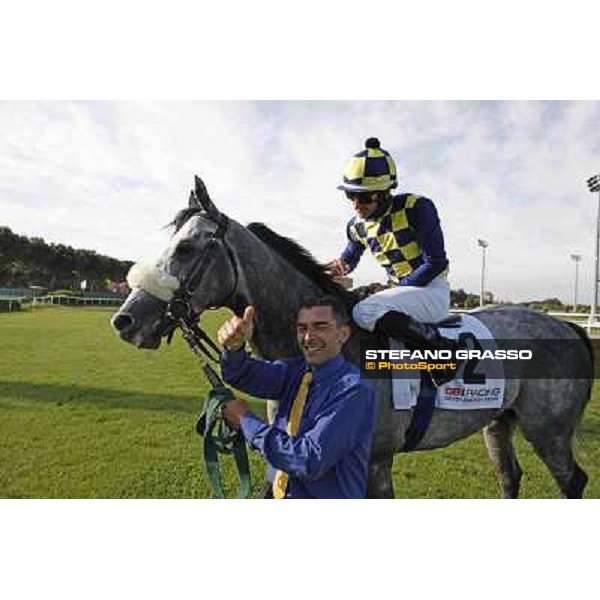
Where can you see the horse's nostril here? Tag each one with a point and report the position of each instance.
(121, 321)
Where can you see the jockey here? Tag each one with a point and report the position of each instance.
(404, 235)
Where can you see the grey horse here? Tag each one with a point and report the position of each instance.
(254, 265)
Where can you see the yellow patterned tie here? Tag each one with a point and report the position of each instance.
(281, 478)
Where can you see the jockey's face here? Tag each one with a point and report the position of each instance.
(319, 334)
(365, 203)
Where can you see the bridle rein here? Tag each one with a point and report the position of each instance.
(219, 438)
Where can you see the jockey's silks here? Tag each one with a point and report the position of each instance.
(406, 240)
(371, 168)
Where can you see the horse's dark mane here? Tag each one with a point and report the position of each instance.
(292, 252)
(183, 216)
(301, 259)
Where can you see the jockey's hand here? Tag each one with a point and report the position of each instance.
(233, 334)
(233, 411)
(337, 268)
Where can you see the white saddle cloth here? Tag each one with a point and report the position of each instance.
(456, 394)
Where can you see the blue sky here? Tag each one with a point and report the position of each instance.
(109, 175)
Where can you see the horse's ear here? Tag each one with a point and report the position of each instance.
(203, 198)
(193, 202)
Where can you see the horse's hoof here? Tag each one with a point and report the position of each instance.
(576, 485)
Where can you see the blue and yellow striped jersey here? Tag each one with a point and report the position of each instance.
(407, 240)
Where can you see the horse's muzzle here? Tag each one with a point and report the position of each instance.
(140, 320)
(121, 321)
(124, 324)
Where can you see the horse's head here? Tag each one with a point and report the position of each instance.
(198, 267)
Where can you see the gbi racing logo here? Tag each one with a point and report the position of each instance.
(466, 392)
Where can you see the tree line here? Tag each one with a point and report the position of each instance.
(461, 299)
(30, 261)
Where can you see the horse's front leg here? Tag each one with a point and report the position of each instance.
(379, 482)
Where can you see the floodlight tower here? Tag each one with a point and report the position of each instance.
(593, 184)
(483, 245)
(577, 259)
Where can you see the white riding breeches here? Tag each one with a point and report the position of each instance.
(427, 304)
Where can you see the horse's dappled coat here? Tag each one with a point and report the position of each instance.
(275, 274)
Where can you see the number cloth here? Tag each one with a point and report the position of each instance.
(329, 456)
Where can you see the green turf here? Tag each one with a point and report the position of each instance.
(84, 415)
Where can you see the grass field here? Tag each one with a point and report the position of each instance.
(84, 415)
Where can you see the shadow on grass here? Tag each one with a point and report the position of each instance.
(60, 395)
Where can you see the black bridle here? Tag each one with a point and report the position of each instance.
(180, 312)
(192, 281)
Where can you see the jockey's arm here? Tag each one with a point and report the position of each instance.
(352, 252)
(424, 220)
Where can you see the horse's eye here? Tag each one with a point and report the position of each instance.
(184, 249)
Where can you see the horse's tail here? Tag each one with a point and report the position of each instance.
(584, 443)
(580, 331)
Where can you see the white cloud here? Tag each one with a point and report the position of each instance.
(108, 176)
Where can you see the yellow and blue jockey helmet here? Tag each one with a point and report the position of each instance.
(370, 170)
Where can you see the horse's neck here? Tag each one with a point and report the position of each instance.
(276, 298)
(275, 289)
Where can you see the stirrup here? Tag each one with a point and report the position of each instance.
(402, 327)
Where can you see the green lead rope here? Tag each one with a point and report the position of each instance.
(219, 438)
